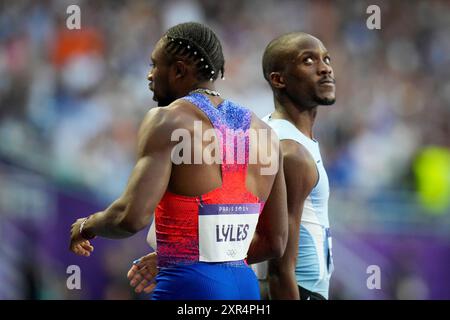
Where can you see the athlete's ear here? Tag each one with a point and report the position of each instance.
(180, 68)
(276, 80)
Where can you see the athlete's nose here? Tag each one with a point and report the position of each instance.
(325, 68)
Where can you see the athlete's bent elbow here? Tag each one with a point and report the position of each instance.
(132, 225)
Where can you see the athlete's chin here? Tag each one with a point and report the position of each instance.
(163, 102)
(158, 100)
(326, 100)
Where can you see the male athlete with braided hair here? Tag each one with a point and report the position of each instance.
(211, 218)
(197, 45)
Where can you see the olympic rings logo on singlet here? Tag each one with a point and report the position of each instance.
(226, 230)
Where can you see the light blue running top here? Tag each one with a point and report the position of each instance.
(314, 259)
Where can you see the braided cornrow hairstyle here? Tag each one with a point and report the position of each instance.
(200, 44)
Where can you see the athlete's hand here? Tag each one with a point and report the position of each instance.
(78, 244)
(143, 272)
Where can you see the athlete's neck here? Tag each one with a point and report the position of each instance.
(215, 99)
(203, 85)
(302, 119)
(186, 87)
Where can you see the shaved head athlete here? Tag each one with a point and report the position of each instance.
(298, 68)
(211, 218)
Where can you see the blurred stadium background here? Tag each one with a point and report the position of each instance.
(71, 102)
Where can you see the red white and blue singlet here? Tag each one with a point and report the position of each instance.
(202, 241)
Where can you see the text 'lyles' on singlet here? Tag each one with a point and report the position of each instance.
(217, 226)
(314, 262)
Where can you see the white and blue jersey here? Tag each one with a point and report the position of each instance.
(314, 260)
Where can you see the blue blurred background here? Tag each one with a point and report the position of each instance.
(71, 102)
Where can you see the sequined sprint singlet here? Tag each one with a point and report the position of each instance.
(202, 241)
(219, 225)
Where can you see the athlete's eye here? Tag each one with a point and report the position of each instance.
(308, 61)
(327, 60)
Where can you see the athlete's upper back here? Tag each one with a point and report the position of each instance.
(197, 153)
(208, 212)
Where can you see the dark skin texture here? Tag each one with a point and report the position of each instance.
(305, 81)
(154, 173)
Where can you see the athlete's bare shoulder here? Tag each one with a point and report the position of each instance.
(257, 123)
(299, 165)
(297, 153)
(263, 129)
(178, 114)
(160, 123)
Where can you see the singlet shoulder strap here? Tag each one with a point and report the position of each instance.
(204, 104)
(232, 123)
(287, 131)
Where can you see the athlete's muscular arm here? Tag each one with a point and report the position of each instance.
(270, 238)
(133, 210)
(301, 176)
